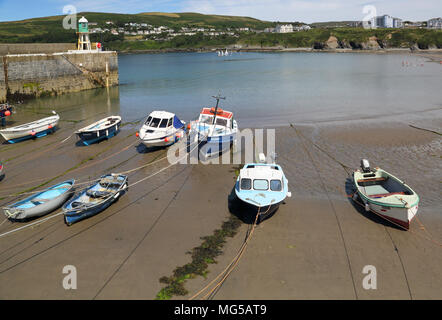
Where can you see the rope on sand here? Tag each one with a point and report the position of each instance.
(231, 266)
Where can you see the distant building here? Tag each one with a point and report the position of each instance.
(284, 28)
(386, 21)
(303, 27)
(435, 23)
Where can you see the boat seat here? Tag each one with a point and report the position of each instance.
(372, 179)
(97, 193)
(381, 195)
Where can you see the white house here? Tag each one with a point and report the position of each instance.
(284, 28)
(435, 23)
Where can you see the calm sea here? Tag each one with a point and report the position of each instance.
(265, 89)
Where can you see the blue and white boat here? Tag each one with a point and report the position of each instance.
(215, 131)
(41, 203)
(262, 187)
(95, 198)
(161, 129)
(35, 129)
(103, 129)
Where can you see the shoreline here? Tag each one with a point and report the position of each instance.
(435, 52)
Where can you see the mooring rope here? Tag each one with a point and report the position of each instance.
(137, 182)
(234, 262)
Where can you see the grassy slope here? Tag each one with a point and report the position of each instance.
(49, 29)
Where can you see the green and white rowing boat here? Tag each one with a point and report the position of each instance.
(386, 195)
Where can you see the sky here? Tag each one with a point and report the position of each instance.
(272, 10)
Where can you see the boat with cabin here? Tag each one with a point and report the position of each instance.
(262, 187)
(161, 129)
(102, 129)
(385, 195)
(215, 131)
(35, 129)
(95, 198)
(40, 203)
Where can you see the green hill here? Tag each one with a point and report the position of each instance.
(50, 29)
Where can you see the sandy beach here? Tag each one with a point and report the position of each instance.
(314, 247)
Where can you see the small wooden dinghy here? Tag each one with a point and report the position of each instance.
(385, 195)
(263, 186)
(41, 203)
(161, 129)
(95, 198)
(103, 129)
(35, 129)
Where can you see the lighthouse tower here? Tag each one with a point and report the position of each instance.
(83, 35)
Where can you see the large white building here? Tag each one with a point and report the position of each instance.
(435, 23)
(386, 21)
(284, 28)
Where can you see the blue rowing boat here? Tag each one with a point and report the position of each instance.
(95, 198)
(41, 203)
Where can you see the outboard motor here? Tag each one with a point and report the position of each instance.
(365, 165)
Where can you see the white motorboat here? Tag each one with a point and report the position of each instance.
(161, 129)
(35, 129)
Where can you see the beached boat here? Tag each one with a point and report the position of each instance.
(41, 203)
(161, 129)
(95, 198)
(262, 186)
(385, 195)
(35, 129)
(1, 170)
(215, 131)
(103, 129)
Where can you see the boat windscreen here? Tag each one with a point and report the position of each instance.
(260, 184)
(163, 123)
(221, 122)
(155, 122)
(275, 185)
(149, 118)
(246, 184)
(206, 119)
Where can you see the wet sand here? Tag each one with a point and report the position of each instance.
(314, 247)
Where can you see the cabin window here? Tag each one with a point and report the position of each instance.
(155, 122)
(163, 123)
(170, 122)
(149, 118)
(206, 119)
(275, 185)
(246, 184)
(221, 122)
(260, 184)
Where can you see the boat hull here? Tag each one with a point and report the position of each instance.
(401, 216)
(93, 136)
(74, 215)
(39, 210)
(251, 210)
(14, 136)
(214, 146)
(161, 142)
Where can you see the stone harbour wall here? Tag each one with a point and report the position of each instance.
(24, 76)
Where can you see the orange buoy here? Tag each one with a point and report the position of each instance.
(7, 113)
(137, 134)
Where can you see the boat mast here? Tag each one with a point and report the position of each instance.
(218, 97)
